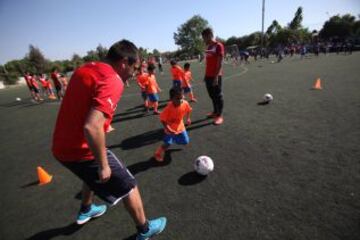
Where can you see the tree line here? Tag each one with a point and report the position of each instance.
(188, 38)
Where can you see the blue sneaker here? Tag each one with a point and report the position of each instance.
(156, 226)
(95, 211)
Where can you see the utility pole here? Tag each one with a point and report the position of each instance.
(262, 24)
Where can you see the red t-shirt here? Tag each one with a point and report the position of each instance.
(43, 82)
(93, 85)
(28, 80)
(55, 77)
(174, 116)
(33, 82)
(213, 53)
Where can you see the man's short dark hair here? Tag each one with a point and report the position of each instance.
(173, 62)
(175, 91)
(123, 49)
(207, 31)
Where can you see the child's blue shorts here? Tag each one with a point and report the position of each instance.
(153, 97)
(181, 138)
(187, 89)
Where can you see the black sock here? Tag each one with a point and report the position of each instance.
(85, 208)
(143, 228)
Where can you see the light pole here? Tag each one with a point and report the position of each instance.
(262, 24)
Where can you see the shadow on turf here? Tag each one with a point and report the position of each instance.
(30, 184)
(191, 178)
(195, 124)
(151, 163)
(55, 232)
(140, 140)
(154, 136)
(126, 116)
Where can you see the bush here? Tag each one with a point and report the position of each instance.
(9, 78)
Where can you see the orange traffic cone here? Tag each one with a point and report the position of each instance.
(43, 176)
(317, 85)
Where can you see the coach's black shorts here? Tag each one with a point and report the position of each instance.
(35, 89)
(58, 88)
(119, 185)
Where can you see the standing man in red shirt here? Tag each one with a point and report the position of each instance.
(55, 76)
(79, 138)
(213, 74)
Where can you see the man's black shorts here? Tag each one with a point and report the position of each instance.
(119, 185)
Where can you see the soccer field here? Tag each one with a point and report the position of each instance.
(286, 170)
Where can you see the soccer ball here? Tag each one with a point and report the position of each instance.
(203, 165)
(18, 99)
(268, 97)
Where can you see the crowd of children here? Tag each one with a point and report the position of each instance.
(45, 89)
(177, 108)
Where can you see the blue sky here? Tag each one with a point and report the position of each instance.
(62, 28)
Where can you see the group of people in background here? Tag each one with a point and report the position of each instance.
(281, 51)
(40, 86)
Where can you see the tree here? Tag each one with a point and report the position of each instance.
(339, 27)
(76, 60)
(101, 52)
(295, 24)
(188, 35)
(143, 53)
(156, 52)
(274, 28)
(37, 60)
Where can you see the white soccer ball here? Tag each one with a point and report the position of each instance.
(203, 165)
(18, 99)
(268, 97)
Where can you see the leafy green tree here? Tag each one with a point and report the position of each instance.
(156, 52)
(188, 35)
(91, 56)
(76, 61)
(37, 60)
(101, 52)
(295, 24)
(340, 27)
(274, 28)
(143, 53)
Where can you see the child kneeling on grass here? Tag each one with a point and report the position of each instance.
(172, 118)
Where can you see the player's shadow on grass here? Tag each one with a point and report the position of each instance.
(140, 140)
(119, 118)
(191, 178)
(56, 232)
(199, 124)
(152, 163)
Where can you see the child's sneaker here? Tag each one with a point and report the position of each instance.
(95, 211)
(159, 154)
(156, 112)
(156, 226)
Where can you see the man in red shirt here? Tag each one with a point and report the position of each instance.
(213, 74)
(55, 76)
(79, 138)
